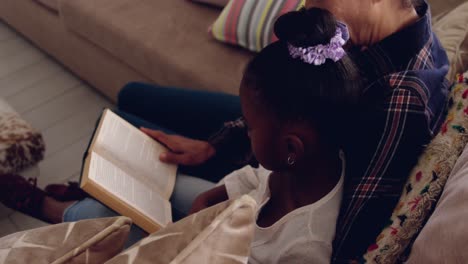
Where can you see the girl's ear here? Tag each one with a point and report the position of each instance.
(295, 149)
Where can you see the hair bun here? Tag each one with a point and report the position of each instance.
(306, 27)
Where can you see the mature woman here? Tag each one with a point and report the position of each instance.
(403, 105)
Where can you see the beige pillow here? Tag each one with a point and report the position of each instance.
(21, 146)
(441, 7)
(221, 234)
(444, 238)
(452, 30)
(87, 241)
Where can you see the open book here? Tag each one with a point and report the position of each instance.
(121, 169)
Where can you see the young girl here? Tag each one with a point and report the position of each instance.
(295, 96)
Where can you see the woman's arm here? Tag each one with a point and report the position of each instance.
(183, 151)
(230, 144)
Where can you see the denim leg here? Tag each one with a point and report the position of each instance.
(195, 114)
(191, 113)
(186, 189)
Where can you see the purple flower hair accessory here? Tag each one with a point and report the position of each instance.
(317, 55)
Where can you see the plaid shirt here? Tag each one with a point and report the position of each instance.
(403, 106)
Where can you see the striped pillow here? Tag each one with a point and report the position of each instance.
(249, 23)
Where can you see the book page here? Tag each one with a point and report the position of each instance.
(135, 152)
(128, 189)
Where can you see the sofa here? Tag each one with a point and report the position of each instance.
(109, 43)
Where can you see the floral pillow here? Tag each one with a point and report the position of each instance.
(425, 183)
(21, 146)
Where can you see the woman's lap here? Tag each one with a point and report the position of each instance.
(186, 189)
(190, 113)
(91, 209)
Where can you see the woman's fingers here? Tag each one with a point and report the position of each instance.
(174, 158)
(169, 141)
(184, 151)
(156, 134)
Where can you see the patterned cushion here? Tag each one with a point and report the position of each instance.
(87, 241)
(452, 30)
(445, 235)
(20, 145)
(249, 23)
(221, 234)
(425, 184)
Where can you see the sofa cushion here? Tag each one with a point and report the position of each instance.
(221, 234)
(87, 241)
(250, 24)
(440, 7)
(21, 145)
(452, 30)
(424, 184)
(445, 235)
(51, 4)
(165, 40)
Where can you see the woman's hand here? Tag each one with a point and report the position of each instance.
(209, 198)
(183, 151)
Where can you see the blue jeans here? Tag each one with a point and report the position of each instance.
(190, 113)
(194, 114)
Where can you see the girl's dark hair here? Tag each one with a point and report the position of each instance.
(296, 91)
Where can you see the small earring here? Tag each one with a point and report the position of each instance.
(291, 161)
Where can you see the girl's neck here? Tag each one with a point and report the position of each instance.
(308, 183)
